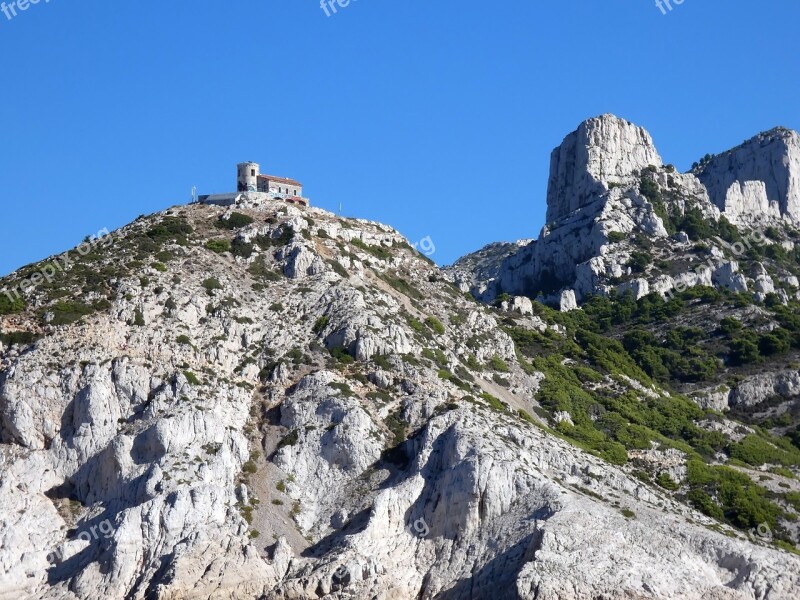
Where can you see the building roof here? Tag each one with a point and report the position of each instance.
(281, 180)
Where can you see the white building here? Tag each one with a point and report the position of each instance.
(249, 179)
(253, 188)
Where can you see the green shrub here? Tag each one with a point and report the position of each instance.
(191, 378)
(341, 355)
(437, 356)
(382, 361)
(494, 402)
(18, 337)
(778, 341)
(744, 350)
(402, 286)
(65, 313)
(666, 482)
(739, 501)
(237, 220)
(343, 388)
(285, 237)
(397, 426)
(415, 324)
(320, 324)
(211, 284)
(498, 364)
(730, 326)
(639, 261)
(10, 305)
(793, 498)
(377, 251)
(694, 223)
(184, 340)
(138, 318)
(464, 374)
(339, 269)
(783, 472)
(241, 248)
(756, 451)
(218, 246)
(616, 236)
(289, 439)
(260, 272)
(169, 229)
(794, 437)
(435, 324)
(650, 190)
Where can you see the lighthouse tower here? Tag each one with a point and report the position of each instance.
(247, 177)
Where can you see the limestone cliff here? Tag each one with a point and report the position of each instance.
(608, 185)
(758, 181)
(603, 151)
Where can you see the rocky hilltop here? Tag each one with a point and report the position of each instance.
(273, 402)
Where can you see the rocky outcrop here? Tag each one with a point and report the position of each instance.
(758, 181)
(479, 271)
(602, 151)
(608, 186)
(765, 386)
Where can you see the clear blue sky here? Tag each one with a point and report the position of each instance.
(436, 117)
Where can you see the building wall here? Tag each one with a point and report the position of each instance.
(276, 187)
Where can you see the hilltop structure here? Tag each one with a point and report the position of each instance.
(252, 188)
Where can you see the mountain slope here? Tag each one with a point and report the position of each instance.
(275, 402)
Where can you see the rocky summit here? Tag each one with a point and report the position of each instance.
(270, 401)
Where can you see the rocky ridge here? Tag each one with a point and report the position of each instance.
(608, 184)
(757, 182)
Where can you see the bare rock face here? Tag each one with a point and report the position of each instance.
(593, 194)
(757, 181)
(602, 150)
(478, 271)
(608, 185)
(761, 387)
